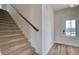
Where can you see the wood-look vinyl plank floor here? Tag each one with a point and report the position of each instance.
(61, 49)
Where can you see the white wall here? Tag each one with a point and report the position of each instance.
(36, 19)
(60, 18)
(3, 6)
(47, 28)
(33, 14)
(42, 16)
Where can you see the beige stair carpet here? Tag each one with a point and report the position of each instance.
(12, 40)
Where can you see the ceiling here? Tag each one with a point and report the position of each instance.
(59, 6)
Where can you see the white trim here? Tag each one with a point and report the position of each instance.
(46, 52)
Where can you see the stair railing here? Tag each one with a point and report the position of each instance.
(25, 19)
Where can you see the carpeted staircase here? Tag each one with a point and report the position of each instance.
(12, 40)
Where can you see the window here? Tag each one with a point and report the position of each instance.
(70, 28)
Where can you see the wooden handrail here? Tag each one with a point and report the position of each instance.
(25, 19)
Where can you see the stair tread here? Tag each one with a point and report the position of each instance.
(5, 21)
(9, 30)
(8, 23)
(29, 51)
(9, 39)
(9, 33)
(9, 26)
(3, 15)
(12, 37)
(9, 42)
(7, 46)
(15, 48)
